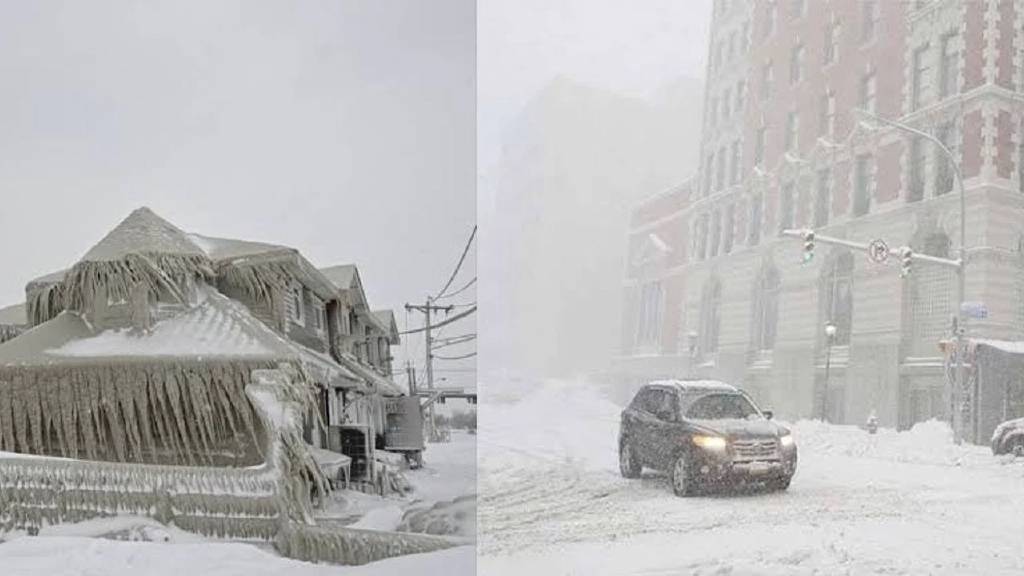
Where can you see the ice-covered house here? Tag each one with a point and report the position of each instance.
(12, 321)
(171, 375)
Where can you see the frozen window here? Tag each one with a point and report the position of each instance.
(716, 233)
(756, 215)
(832, 30)
(949, 67)
(741, 87)
(915, 169)
(869, 23)
(867, 91)
(727, 229)
(759, 145)
(792, 131)
(797, 8)
(734, 165)
(767, 80)
(822, 197)
(766, 309)
(922, 84)
(720, 172)
(827, 119)
(863, 177)
(771, 13)
(298, 305)
(944, 171)
(796, 63)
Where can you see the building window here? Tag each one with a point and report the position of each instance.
(867, 91)
(796, 63)
(734, 166)
(786, 206)
(832, 30)
(922, 81)
(716, 234)
(827, 120)
(822, 197)
(741, 88)
(837, 296)
(766, 309)
(917, 158)
(949, 67)
(727, 229)
(726, 104)
(767, 81)
(797, 8)
(759, 145)
(862, 179)
(298, 305)
(711, 320)
(732, 47)
(756, 216)
(701, 237)
(792, 131)
(652, 298)
(870, 16)
(944, 173)
(318, 317)
(713, 116)
(720, 172)
(771, 13)
(745, 37)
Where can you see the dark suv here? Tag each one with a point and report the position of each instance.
(703, 433)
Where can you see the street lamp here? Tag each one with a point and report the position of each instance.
(830, 338)
(692, 337)
(958, 327)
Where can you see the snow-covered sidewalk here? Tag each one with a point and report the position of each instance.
(552, 502)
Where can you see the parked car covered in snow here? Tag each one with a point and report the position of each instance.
(703, 433)
(1008, 438)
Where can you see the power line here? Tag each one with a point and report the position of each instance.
(463, 357)
(457, 266)
(459, 291)
(458, 316)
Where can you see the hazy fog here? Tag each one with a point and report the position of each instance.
(585, 107)
(345, 129)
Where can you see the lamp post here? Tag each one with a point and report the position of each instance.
(830, 337)
(961, 416)
(692, 337)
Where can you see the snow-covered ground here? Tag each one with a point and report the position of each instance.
(131, 546)
(553, 502)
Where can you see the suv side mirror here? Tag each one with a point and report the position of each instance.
(768, 414)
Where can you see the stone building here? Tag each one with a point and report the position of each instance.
(785, 146)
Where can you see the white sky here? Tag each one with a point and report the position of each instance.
(343, 128)
(631, 47)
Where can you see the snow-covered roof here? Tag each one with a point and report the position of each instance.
(216, 328)
(341, 276)
(13, 315)
(1013, 347)
(142, 232)
(219, 249)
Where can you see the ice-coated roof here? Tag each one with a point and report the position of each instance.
(51, 278)
(341, 276)
(13, 315)
(386, 319)
(219, 249)
(216, 328)
(142, 232)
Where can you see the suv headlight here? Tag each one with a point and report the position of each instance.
(715, 443)
(786, 441)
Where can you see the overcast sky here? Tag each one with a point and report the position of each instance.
(343, 128)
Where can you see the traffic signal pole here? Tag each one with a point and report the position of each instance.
(864, 247)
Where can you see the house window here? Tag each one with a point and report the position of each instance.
(759, 145)
(949, 67)
(727, 229)
(796, 63)
(298, 305)
(922, 82)
(832, 30)
(822, 197)
(792, 131)
(318, 317)
(652, 298)
(711, 316)
(734, 166)
(786, 206)
(867, 91)
(766, 309)
(916, 166)
(756, 215)
(767, 81)
(827, 120)
(863, 176)
(944, 172)
(870, 15)
(837, 296)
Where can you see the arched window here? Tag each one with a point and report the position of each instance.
(836, 296)
(766, 308)
(711, 320)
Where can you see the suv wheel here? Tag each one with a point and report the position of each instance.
(682, 481)
(629, 464)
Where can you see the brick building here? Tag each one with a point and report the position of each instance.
(783, 147)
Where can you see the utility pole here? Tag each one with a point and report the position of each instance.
(427, 309)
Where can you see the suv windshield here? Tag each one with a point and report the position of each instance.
(721, 407)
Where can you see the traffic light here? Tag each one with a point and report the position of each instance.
(906, 258)
(808, 246)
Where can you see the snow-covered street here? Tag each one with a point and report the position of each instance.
(553, 502)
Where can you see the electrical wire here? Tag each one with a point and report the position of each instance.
(457, 266)
(465, 287)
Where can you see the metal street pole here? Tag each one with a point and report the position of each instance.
(962, 408)
(830, 335)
